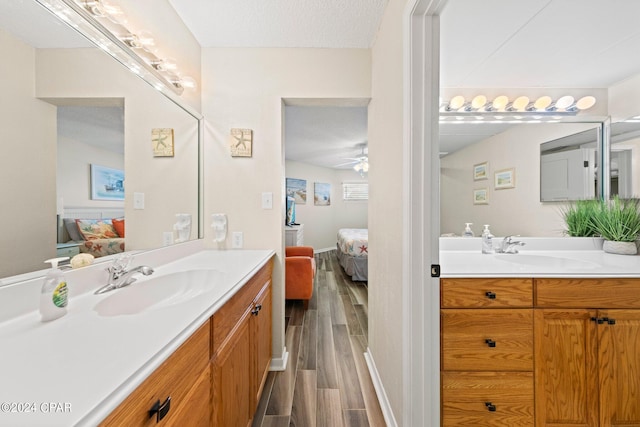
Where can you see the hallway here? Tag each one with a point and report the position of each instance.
(326, 382)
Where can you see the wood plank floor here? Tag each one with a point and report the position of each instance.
(326, 382)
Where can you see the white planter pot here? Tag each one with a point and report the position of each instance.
(620, 248)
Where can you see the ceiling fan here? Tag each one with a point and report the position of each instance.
(360, 164)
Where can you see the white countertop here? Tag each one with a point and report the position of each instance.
(561, 257)
(85, 364)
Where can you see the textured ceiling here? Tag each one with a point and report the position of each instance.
(282, 23)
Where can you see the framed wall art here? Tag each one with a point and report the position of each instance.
(241, 142)
(481, 171)
(297, 188)
(505, 178)
(162, 142)
(321, 194)
(481, 196)
(106, 183)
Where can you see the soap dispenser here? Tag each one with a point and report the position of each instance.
(467, 230)
(54, 298)
(487, 240)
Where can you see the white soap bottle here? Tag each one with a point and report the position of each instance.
(467, 230)
(54, 296)
(487, 240)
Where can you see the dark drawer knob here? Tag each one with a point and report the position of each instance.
(160, 410)
(490, 406)
(490, 342)
(256, 309)
(490, 295)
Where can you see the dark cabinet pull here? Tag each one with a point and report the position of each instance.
(490, 406)
(256, 309)
(160, 410)
(490, 342)
(490, 295)
(611, 321)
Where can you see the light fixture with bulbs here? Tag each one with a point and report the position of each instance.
(502, 108)
(104, 23)
(362, 166)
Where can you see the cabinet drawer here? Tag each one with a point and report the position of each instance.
(487, 399)
(487, 339)
(174, 378)
(588, 293)
(486, 293)
(225, 319)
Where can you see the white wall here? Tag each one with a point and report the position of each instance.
(244, 88)
(385, 204)
(27, 164)
(321, 223)
(510, 211)
(72, 180)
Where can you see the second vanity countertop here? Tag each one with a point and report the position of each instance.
(86, 363)
(562, 257)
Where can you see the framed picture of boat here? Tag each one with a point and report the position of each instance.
(106, 183)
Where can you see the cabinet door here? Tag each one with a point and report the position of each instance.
(566, 368)
(619, 354)
(231, 378)
(261, 336)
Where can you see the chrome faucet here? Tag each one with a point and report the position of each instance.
(120, 275)
(509, 246)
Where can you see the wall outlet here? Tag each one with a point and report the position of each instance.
(138, 200)
(267, 200)
(236, 240)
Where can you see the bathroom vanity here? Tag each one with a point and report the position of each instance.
(548, 339)
(192, 348)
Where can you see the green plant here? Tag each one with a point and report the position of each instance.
(618, 219)
(579, 218)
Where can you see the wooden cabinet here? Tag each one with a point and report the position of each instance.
(176, 389)
(588, 354)
(574, 344)
(241, 352)
(216, 377)
(487, 352)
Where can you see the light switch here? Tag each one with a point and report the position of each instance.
(138, 200)
(267, 200)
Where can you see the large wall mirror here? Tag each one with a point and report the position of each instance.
(85, 141)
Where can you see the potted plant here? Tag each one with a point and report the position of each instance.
(618, 222)
(579, 218)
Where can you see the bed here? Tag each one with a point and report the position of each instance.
(98, 232)
(353, 248)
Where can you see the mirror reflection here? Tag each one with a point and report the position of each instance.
(71, 115)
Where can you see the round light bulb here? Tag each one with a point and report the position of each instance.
(586, 102)
(500, 102)
(542, 103)
(457, 102)
(521, 103)
(478, 102)
(564, 102)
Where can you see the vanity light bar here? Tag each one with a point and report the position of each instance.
(481, 107)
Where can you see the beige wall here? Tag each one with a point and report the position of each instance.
(321, 223)
(27, 164)
(244, 88)
(385, 204)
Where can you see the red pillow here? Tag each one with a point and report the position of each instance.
(118, 225)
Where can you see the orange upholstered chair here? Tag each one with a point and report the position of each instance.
(300, 269)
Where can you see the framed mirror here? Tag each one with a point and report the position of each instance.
(78, 132)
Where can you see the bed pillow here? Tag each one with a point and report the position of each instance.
(72, 229)
(92, 229)
(118, 225)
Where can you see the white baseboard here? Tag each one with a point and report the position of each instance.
(385, 406)
(279, 363)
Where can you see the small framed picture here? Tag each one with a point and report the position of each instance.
(321, 194)
(162, 142)
(480, 196)
(481, 171)
(240, 142)
(505, 178)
